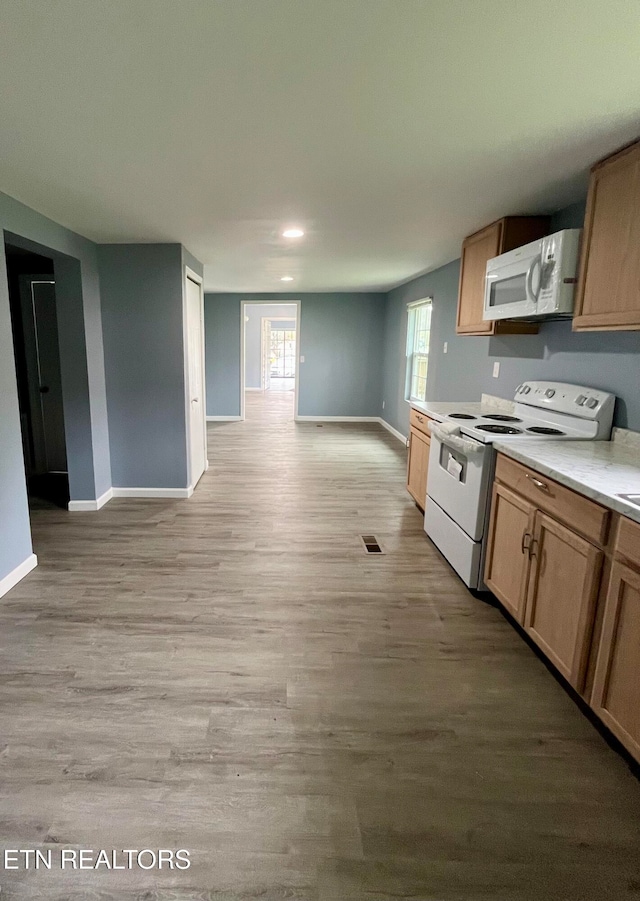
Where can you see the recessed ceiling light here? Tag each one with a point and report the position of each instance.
(292, 233)
(286, 278)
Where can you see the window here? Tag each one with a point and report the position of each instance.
(282, 353)
(418, 334)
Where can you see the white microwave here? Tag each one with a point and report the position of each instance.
(534, 281)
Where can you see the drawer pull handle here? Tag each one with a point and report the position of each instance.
(419, 418)
(526, 542)
(541, 485)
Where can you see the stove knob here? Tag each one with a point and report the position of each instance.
(526, 389)
(592, 402)
(549, 392)
(581, 399)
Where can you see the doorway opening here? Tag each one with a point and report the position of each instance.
(270, 356)
(34, 324)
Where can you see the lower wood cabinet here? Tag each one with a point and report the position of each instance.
(418, 465)
(418, 462)
(508, 561)
(563, 586)
(616, 688)
(573, 583)
(544, 563)
(547, 576)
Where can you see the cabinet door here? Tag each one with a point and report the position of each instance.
(609, 283)
(616, 688)
(476, 250)
(417, 466)
(561, 598)
(510, 534)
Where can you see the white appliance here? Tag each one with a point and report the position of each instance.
(535, 280)
(462, 463)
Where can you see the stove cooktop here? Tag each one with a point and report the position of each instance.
(496, 429)
(486, 427)
(540, 409)
(497, 417)
(501, 417)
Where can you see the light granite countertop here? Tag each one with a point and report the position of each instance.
(601, 470)
(439, 409)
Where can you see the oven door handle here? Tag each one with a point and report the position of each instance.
(462, 445)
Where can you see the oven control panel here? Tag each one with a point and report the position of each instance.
(577, 400)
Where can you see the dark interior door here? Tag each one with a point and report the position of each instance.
(40, 327)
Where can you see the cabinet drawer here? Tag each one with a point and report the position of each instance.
(420, 421)
(628, 543)
(582, 514)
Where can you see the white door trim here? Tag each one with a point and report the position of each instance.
(190, 275)
(278, 302)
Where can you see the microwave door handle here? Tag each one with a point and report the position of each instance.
(536, 261)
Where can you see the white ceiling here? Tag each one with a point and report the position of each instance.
(387, 128)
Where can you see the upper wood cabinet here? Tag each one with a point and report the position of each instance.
(608, 295)
(499, 237)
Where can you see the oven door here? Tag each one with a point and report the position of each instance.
(511, 289)
(458, 482)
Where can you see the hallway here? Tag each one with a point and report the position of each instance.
(232, 675)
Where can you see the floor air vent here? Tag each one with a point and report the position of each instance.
(371, 544)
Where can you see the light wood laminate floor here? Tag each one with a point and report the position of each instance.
(233, 676)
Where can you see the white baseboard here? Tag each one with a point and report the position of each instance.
(390, 428)
(91, 506)
(377, 419)
(153, 492)
(18, 573)
(254, 389)
(337, 419)
(224, 418)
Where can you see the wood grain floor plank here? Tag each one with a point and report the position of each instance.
(232, 675)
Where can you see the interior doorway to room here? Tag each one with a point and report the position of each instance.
(34, 323)
(270, 355)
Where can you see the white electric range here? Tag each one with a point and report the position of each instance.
(462, 461)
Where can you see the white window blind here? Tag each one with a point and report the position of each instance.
(418, 335)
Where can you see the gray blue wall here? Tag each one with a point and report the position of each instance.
(341, 339)
(142, 314)
(253, 337)
(606, 360)
(81, 360)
